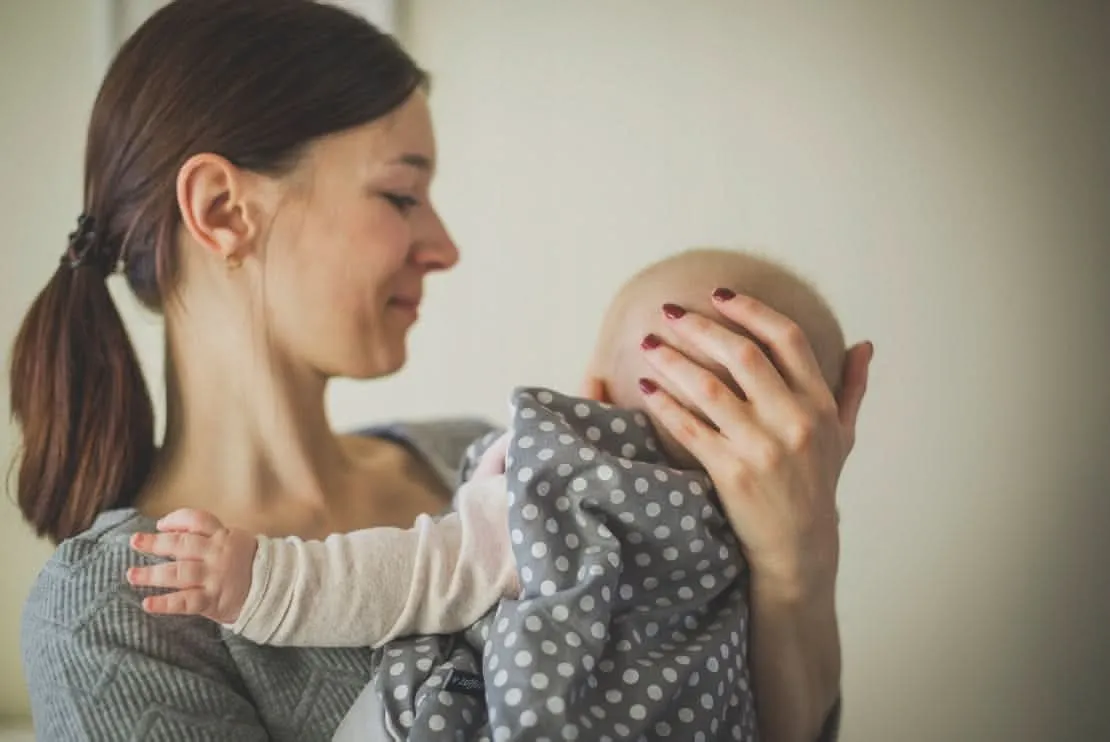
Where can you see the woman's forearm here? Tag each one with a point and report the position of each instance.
(795, 660)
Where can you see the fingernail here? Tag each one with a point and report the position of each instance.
(650, 342)
(673, 311)
(724, 294)
(647, 386)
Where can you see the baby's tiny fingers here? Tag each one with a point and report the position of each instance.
(177, 575)
(192, 520)
(176, 545)
(182, 603)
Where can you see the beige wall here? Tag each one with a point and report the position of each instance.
(943, 171)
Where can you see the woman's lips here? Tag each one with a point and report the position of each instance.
(406, 304)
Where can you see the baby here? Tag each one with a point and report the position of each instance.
(368, 587)
(688, 279)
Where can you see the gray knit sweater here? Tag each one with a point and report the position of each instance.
(99, 668)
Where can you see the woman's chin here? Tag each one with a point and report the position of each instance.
(380, 363)
(384, 355)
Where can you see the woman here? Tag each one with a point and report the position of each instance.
(259, 172)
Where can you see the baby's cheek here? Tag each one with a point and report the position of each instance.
(676, 454)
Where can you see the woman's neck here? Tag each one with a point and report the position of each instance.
(244, 433)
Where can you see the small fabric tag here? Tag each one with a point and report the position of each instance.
(460, 681)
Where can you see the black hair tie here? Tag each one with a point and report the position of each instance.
(85, 250)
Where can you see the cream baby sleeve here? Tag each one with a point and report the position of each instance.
(367, 587)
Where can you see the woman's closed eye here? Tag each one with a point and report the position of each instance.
(401, 202)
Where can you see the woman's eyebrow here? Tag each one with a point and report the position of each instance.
(418, 161)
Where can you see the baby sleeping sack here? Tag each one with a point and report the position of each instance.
(633, 618)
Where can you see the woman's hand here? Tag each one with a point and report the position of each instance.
(210, 574)
(776, 456)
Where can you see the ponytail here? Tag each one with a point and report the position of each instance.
(82, 405)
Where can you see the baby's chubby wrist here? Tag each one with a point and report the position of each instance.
(237, 556)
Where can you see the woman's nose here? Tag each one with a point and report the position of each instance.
(434, 249)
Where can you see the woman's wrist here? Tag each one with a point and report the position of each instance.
(796, 656)
(797, 582)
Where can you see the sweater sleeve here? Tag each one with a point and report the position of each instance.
(367, 587)
(98, 667)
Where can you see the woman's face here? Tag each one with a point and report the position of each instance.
(351, 244)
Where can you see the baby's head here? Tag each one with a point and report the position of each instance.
(689, 279)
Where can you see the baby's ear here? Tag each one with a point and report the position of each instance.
(595, 388)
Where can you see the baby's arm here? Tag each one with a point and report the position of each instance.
(362, 588)
(492, 462)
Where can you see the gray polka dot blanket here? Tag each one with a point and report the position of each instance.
(633, 619)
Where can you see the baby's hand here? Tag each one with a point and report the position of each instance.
(492, 462)
(211, 571)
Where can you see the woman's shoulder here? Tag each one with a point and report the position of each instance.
(82, 591)
(94, 660)
(85, 575)
(91, 555)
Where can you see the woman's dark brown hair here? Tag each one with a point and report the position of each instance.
(254, 81)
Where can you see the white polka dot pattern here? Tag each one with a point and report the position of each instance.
(633, 619)
(411, 687)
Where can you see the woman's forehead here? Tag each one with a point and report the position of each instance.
(401, 139)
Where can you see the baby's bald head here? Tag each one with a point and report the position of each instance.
(689, 279)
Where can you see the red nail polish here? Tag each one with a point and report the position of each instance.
(647, 386)
(650, 342)
(724, 294)
(673, 311)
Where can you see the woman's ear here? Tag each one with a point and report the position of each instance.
(212, 197)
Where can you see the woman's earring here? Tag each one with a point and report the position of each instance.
(233, 262)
